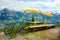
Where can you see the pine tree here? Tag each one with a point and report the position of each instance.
(32, 19)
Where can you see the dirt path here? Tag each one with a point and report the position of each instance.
(2, 36)
(50, 34)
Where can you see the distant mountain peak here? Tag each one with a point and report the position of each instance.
(5, 9)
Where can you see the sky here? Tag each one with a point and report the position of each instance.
(20, 5)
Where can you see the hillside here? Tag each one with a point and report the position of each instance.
(12, 16)
(7, 14)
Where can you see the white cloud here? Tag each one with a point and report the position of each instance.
(20, 5)
(37, 0)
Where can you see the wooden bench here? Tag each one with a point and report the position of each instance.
(39, 27)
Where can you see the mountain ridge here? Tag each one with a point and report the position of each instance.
(7, 14)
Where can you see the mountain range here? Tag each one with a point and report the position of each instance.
(7, 15)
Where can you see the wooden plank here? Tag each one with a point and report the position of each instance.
(42, 26)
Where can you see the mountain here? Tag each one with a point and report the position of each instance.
(7, 15)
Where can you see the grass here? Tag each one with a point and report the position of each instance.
(42, 35)
(33, 35)
(2, 30)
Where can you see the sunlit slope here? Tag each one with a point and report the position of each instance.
(47, 14)
(32, 10)
(38, 11)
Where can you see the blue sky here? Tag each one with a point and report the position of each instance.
(20, 5)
